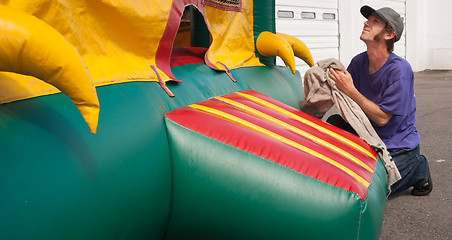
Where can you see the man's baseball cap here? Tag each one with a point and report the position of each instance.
(389, 15)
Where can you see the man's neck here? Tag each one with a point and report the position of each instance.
(378, 55)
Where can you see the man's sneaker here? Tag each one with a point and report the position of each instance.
(423, 190)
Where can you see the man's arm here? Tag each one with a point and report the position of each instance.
(344, 82)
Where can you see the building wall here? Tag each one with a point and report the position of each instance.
(429, 44)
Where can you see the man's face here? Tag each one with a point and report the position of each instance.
(373, 29)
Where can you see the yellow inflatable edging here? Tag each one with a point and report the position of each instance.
(32, 47)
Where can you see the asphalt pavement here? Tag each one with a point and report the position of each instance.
(428, 217)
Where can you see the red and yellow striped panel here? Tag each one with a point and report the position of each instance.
(258, 124)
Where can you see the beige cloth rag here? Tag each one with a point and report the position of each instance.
(321, 94)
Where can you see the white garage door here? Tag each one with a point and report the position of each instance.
(313, 22)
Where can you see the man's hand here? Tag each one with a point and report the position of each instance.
(343, 80)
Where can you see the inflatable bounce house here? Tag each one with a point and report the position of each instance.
(168, 119)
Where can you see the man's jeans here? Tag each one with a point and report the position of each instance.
(413, 168)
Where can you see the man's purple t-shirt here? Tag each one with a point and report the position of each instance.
(391, 88)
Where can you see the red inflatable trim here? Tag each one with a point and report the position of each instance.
(187, 55)
(163, 54)
(274, 149)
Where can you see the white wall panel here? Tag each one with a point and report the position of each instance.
(439, 35)
(397, 5)
(308, 3)
(320, 34)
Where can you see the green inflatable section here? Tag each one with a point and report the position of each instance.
(262, 22)
(59, 181)
(222, 192)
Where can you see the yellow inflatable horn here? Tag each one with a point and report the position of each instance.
(284, 46)
(299, 48)
(29, 46)
(269, 44)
